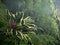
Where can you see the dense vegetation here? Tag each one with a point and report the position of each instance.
(29, 22)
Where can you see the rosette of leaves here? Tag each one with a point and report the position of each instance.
(20, 27)
(19, 22)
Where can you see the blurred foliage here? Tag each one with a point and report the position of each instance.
(3, 20)
(46, 40)
(47, 25)
(18, 19)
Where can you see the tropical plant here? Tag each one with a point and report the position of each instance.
(18, 28)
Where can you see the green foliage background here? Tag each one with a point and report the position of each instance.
(42, 12)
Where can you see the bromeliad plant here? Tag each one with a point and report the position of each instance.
(21, 27)
(22, 24)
